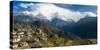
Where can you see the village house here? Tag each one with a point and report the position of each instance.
(16, 38)
(23, 44)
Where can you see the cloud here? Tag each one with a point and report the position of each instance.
(91, 14)
(15, 7)
(48, 10)
(26, 5)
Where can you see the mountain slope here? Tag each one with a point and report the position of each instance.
(45, 35)
(86, 27)
(66, 26)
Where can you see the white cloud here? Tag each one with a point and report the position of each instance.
(16, 7)
(26, 5)
(48, 10)
(27, 12)
(92, 14)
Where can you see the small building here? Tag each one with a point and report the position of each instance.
(16, 38)
(23, 44)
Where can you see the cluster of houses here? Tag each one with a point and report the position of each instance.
(15, 39)
(17, 42)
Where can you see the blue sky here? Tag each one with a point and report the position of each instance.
(67, 11)
(73, 7)
(79, 7)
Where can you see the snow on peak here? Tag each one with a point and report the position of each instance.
(50, 11)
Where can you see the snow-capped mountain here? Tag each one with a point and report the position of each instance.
(51, 11)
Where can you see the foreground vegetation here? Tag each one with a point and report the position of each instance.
(38, 35)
